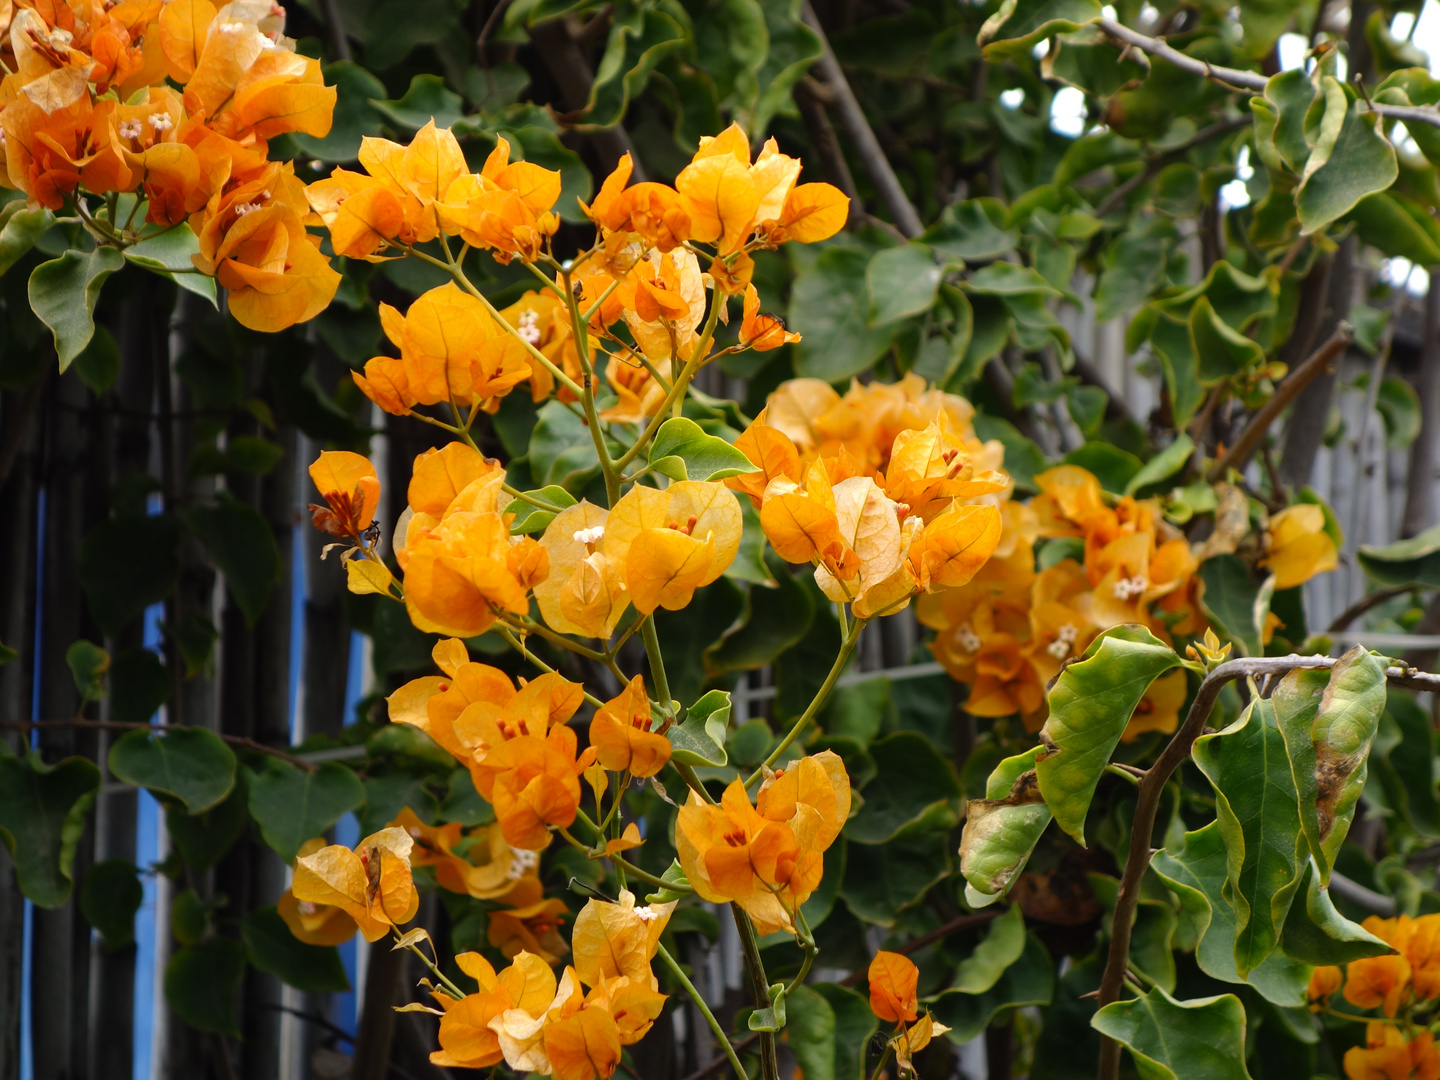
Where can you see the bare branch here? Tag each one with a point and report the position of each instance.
(852, 119)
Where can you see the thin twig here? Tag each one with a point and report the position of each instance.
(1156, 162)
(1238, 454)
(1364, 604)
(27, 726)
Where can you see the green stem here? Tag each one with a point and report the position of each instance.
(687, 773)
(759, 987)
(519, 646)
(657, 665)
(884, 1060)
(846, 648)
(587, 399)
(450, 988)
(715, 1027)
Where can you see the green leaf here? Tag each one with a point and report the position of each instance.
(242, 544)
(1001, 946)
(1316, 933)
(354, 116)
(20, 227)
(529, 518)
(1403, 763)
(1007, 279)
(110, 895)
(855, 1025)
(1221, 352)
(683, 451)
(426, 99)
(828, 306)
(202, 985)
(1229, 601)
(1170, 341)
(203, 839)
(1197, 874)
(1002, 829)
(1256, 809)
(773, 621)
(1019, 24)
(63, 292)
(901, 282)
(881, 880)
(1350, 160)
(271, 947)
(1029, 980)
(700, 740)
(168, 254)
(640, 37)
(1399, 407)
(1113, 467)
(42, 816)
(1415, 561)
(1163, 465)
(1237, 298)
(88, 665)
(1090, 704)
(1134, 267)
(749, 563)
(561, 449)
(771, 1018)
(1383, 222)
(966, 233)
(190, 764)
(915, 790)
(291, 806)
(98, 365)
(811, 1032)
(126, 564)
(1179, 1040)
(1328, 743)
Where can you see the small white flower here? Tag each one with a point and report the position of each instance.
(646, 914)
(241, 209)
(590, 536)
(1125, 588)
(1059, 649)
(306, 907)
(969, 640)
(130, 129)
(528, 325)
(520, 862)
(234, 27)
(1068, 633)
(161, 121)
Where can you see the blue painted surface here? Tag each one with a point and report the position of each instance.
(149, 820)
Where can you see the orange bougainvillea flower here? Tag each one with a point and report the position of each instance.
(1069, 498)
(451, 349)
(1324, 982)
(893, 979)
(467, 1038)
(621, 733)
(533, 781)
(663, 544)
(909, 1041)
(762, 332)
(1381, 982)
(585, 592)
(620, 939)
(767, 858)
(312, 923)
(371, 884)
(489, 867)
(529, 923)
(771, 452)
(1388, 1056)
(1159, 709)
(505, 207)
(349, 485)
(1297, 547)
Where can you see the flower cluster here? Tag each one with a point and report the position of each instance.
(88, 110)
(893, 982)
(1009, 632)
(767, 857)
(652, 549)
(1396, 984)
(878, 490)
(523, 1017)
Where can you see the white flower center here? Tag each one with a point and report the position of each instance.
(308, 908)
(130, 129)
(592, 535)
(645, 914)
(969, 640)
(1125, 588)
(520, 862)
(528, 325)
(161, 121)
